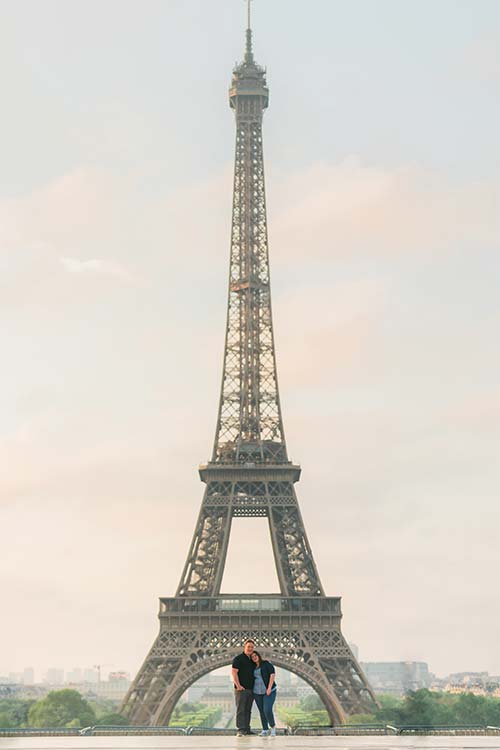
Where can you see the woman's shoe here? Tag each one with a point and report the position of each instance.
(264, 733)
(273, 731)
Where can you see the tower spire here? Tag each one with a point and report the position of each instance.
(248, 50)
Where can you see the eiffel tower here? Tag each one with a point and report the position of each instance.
(249, 475)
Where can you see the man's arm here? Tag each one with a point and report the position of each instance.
(236, 678)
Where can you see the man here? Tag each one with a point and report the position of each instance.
(242, 673)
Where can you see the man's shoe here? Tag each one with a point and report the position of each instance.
(239, 733)
(250, 732)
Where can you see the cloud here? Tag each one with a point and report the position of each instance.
(96, 266)
(329, 330)
(108, 407)
(348, 209)
(479, 412)
(481, 58)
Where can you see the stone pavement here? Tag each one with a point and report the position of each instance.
(251, 743)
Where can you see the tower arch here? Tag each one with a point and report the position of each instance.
(205, 666)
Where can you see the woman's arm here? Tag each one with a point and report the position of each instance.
(271, 683)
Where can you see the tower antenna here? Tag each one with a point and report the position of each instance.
(248, 51)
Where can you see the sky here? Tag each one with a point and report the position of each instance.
(383, 184)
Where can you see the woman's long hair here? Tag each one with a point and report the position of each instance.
(259, 656)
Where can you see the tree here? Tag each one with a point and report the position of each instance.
(112, 720)
(312, 703)
(361, 719)
(14, 712)
(431, 708)
(61, 708)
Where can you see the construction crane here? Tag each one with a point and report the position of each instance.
(98, 667)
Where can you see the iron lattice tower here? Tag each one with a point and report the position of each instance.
(249, 475)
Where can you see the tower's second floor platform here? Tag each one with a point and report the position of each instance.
(251, 610)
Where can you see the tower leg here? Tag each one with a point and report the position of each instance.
(205, 562)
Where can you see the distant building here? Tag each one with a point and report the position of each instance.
(397, 677)
(23, 691)
(219, 683)
(283, 677)
(217, 690)
(304, 690)
(28, 676)
(217, 698)
(54, 676)
(466, 677)
(478, 683)
(118, 676)
(113, 689)
(90, 675)
(75, 676)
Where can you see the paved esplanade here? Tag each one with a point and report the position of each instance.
(251, 743)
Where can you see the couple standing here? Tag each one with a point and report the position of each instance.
(254, 680)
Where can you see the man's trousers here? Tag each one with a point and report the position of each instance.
(244, 700)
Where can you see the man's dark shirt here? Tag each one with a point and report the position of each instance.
(245, 667)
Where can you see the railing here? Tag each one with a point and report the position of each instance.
(301, 729)
(92, 731)
(341, 729)
(216, 731)
(389, 729)
(44, 732)
(266, 603)
(458, 729)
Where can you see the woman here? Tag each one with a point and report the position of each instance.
(264, 693)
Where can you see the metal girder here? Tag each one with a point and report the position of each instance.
(310, 644)
(297, 573)
(249, 424)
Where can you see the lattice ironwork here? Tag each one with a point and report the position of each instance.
(249, 475)
(308, 643)
(297, 573)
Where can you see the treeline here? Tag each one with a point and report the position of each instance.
(433, 709)
(419, 707)
(188, 714)
(67, 708)
(60, 708)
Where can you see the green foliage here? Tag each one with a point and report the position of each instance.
(311, 710)
(389, 701)
(102, 706)
(194, 715)
(419, 707)
(312, 703)
(61, 708)
(297, 716)
(429, 708)
(112, 720)
(14, 712)
(362, 719)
